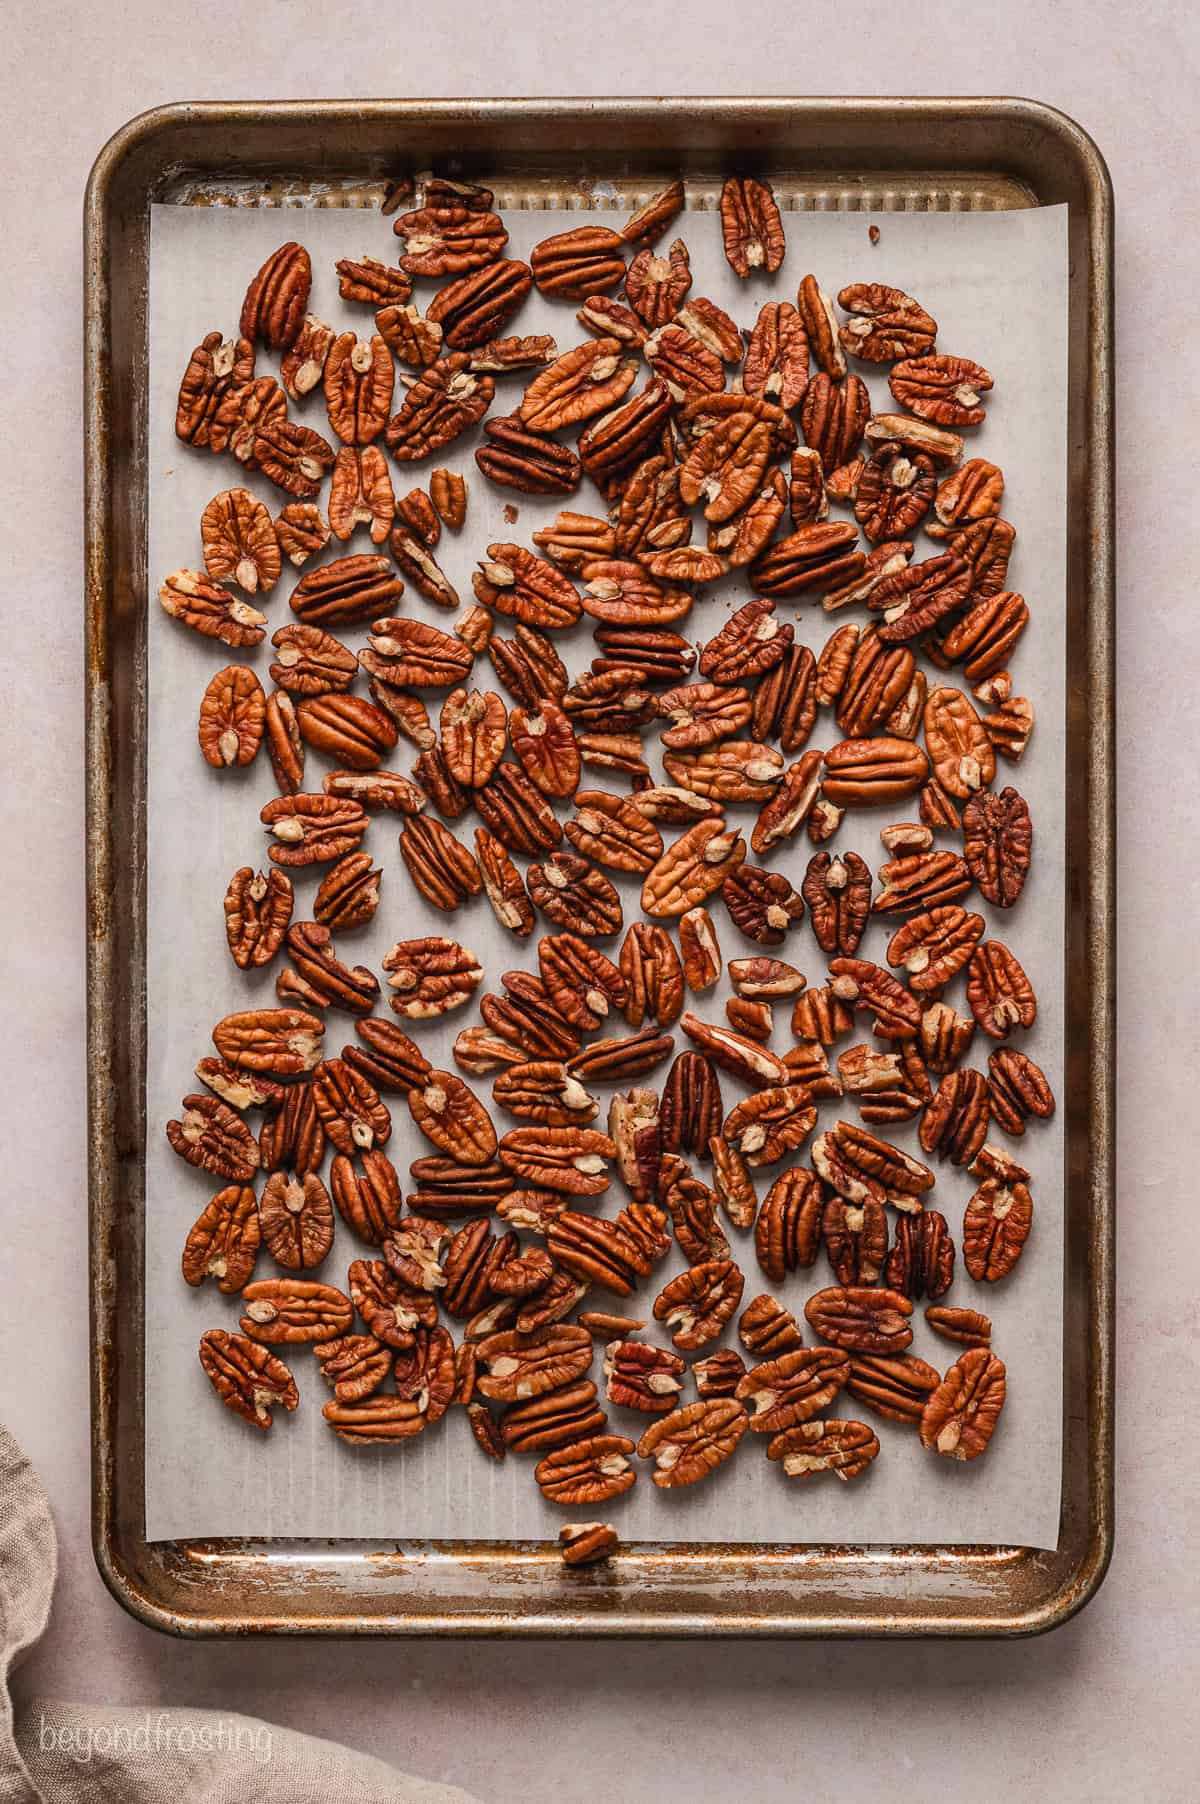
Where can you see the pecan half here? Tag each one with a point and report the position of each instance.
(361, 494)
(439, 865)
(996, 1225)
(453, 1119)
(277, 298)
(960, 1417)
(1017, 1088)
(726, 466)
(838, 894)
(223, 1242)
(999, 993)
(348, 895)
(833, 417)
(861, 1320)
(388, 1057)
(214, 368)
(946, 390)
(641, 1377)
(449, 240)
(310, 661)
(733, 1183)
(762, 904)
(415, 340)
(615, 444)
(690, 870)
(696, 1305)
(767, 1327)
(574, 264)
(475, 308)
(885, 323)
(192, 599)
(751, 227)
(297, 1220)
(691, 1106)
(513, 581)
(856, 1237)
(844, 1448)
(353, 1365)
(771, 1123)
(516, 1366)
(795, 801)
(258, 908)
(785, 1392)
(966, 1326)
(934, 946)
(984, 639)
(444, 401)
(431, 976)
(580, 384)
(861, 1167)
(371, 282)
(873, 772)
(734, 770)
(232, 717)
(691, 1443)
(921, 1262)
(247, 1378)
(516, 458)
(347, 729)
(587, 1471)
(293, 1311)
(239, 541)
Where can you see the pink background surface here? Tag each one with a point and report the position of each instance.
(1102, 1708)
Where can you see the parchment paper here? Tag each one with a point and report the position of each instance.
(996, 283)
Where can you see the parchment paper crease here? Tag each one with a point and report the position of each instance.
(996, 283)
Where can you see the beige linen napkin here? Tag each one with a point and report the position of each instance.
(59, 1753)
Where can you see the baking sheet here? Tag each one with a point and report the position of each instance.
(996, 282)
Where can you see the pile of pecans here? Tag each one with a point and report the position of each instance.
(750, 439)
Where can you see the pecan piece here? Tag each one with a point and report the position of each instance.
(371, 282)
(248, 1379)
(425, 1373)
(795, 801)
(833, 417)
(634, 1128)
(575, 264)
(996, 1225)
(844, 1448)
(361, 494)
(223, 1242)
(587, 1543)
(614, 1254)
(788, 1391)
(787, 1233)
(751, 227)
(767, 1327)
(961, 1415)
(732, 1182)
(431, 976)
(653, 976)
(762, 904)
(856, 1237)
(440, 866)
(946, 390)
(861, 1320)
(277, 298)
(444, 401)
(873, 772)
(293, 1311)
(557, 1418)
(690, 870)
(691, 1443)
(699, 951)
(414, 340)
(239, 541)
(693, 1210)
(572, 1159)
(999, 993)
(968, 494)
(580, 384)
(921, 1261)
(293, 1139)
(452, 1118)
(310, 661)
(858, 982)
(331, 983)
(617, 442)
